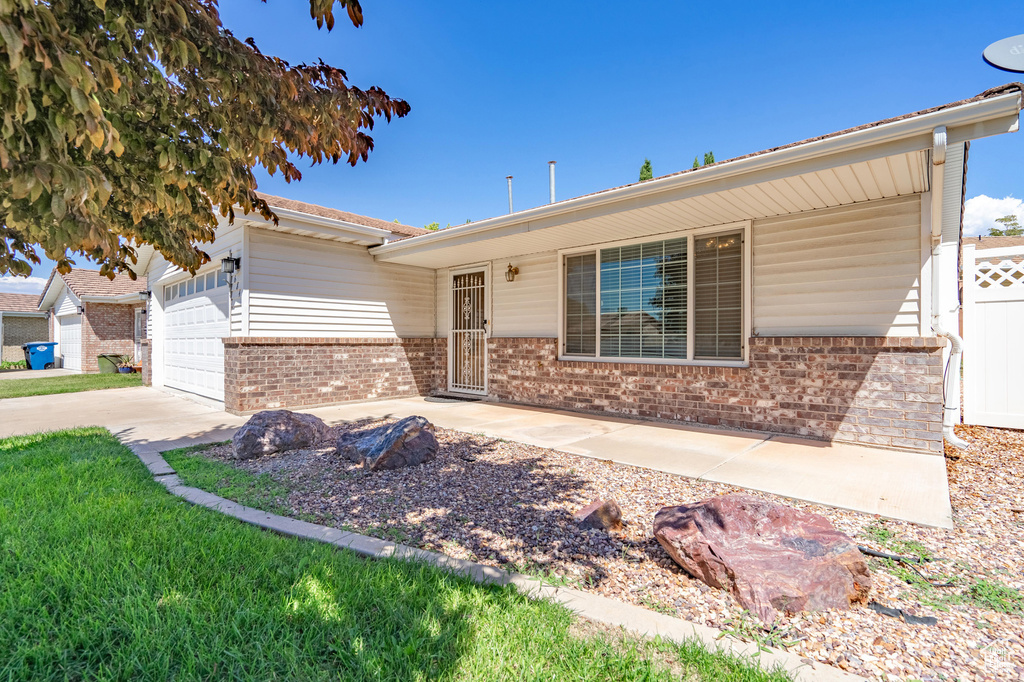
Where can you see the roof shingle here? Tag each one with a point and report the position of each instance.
(325, 212)
(92, 283)
(19, 303)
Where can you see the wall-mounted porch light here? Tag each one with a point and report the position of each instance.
(81, 310)
(510, 274)
(229, 265)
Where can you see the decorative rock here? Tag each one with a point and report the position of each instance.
(770, 556)
(603, 514)
(276, 431)
(405, 443)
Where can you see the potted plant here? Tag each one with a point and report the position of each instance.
(126, 365)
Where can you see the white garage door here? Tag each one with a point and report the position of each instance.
(195, 321)
(71, 341)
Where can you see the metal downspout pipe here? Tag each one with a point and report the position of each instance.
(951, 376)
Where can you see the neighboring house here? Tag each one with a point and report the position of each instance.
(802, 290)
(91, 315)
(20, 323)
(988, 243)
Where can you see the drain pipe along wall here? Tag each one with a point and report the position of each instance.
(944, 308)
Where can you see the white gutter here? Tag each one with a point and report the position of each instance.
(968, 121)
(951, 376)
(134, 297)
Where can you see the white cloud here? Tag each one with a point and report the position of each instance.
(21, 285)
(980, 213)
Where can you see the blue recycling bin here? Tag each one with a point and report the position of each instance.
(39, 355)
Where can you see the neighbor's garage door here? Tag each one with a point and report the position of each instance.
(71, 341)
(195, 321)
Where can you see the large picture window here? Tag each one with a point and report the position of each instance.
(677, 299)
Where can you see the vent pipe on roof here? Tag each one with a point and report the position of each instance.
(551, 181)
(509, 178)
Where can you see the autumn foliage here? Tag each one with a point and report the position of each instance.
(131, 123)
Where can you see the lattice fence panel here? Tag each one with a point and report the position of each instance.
(1005, 273)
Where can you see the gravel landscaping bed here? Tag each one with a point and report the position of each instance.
(511, 505)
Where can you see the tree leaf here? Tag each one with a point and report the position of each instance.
(57, 205)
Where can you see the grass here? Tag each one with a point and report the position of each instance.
(259, 492)
(978, 592)
(106, 576)
(20, 388)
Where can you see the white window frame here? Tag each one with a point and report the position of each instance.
(744, 227)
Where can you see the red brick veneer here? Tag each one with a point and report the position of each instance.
(147, 363)
(871, 390)
(268, 372)
(107, 328)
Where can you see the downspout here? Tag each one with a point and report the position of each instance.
(951, 377)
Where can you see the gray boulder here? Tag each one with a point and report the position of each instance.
(276, 431)
(405, 443)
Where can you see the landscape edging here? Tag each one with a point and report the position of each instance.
(634, 619)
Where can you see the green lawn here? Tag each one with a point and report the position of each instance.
(104, 575)
(73, 383)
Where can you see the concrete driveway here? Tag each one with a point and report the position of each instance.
(893, 484)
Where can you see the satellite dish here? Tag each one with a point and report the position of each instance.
(1006, 54)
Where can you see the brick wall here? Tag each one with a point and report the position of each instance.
(107, 328)
(21, 330)
(147, 362)
(269, 373)
(870, 390)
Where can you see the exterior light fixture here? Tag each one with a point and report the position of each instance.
(510, 274)
(81, 310)
(229, 265)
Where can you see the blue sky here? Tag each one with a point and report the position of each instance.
(501, 88)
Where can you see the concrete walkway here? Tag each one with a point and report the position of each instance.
(893, 484)
(35, 373)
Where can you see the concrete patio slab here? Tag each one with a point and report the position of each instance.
(686, 451)
(906, 486)
(873, 480)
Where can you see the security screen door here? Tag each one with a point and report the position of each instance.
(467, 340)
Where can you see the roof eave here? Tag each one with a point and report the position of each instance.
(993, 116)
(331, 228)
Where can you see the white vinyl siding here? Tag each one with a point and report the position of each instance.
(301, 286)
(847, 271)
(67, 304)
(526, 307)
(442, 323)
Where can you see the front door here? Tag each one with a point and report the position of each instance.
(467, 340)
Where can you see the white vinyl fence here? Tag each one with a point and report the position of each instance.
(993, 297)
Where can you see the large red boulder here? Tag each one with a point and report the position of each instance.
(771, 557)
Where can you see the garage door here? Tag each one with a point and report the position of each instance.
(195, 321)
(71, 341)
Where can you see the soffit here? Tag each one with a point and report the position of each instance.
(869, 180)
